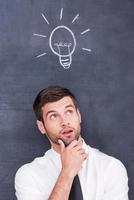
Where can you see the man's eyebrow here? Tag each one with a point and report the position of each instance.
(51, 111)
(70, 105)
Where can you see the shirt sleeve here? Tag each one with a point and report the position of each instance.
(116, 182)
(26, 187)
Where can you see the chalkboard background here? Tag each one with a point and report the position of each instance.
(103, 80)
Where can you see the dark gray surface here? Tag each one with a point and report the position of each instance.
(102, 80)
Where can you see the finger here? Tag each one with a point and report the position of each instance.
(80, 142)
(77, 148)
(85, 155)
(62, 145)
(81, 151)
(73, 144)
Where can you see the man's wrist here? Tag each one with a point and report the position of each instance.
(68, 173)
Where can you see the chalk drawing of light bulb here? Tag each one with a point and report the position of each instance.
(63, 43)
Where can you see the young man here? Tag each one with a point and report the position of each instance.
(50, 177)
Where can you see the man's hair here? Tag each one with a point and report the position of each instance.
(48, 95)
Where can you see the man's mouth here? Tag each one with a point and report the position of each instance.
(67, 132)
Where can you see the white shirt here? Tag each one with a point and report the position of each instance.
(102, 177)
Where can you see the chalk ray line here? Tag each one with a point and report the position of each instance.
(76, 17)
(85, 49)
(45, 18)
(40, 35)
(61, 13)
(87, 30)
(43, 54)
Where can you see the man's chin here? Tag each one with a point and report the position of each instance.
(68, 141)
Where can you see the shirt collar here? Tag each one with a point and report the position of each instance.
(85, 147)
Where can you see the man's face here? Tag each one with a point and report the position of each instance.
(61, 120)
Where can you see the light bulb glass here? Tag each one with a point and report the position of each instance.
(63, 43)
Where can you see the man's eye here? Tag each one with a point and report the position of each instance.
(53, 116)
(69, 112)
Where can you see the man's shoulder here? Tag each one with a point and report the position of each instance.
(105, 161)
(35, 176)
(110, 170)
(37, 164)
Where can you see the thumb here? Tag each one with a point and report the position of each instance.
(62, 145)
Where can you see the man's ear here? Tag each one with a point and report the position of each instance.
(41, 127)
(79, 115)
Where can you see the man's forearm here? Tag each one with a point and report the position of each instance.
(72, 158)
(62, 187)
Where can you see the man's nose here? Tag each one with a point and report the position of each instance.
(64, 121)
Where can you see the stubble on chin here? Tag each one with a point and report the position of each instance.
(68, 141)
